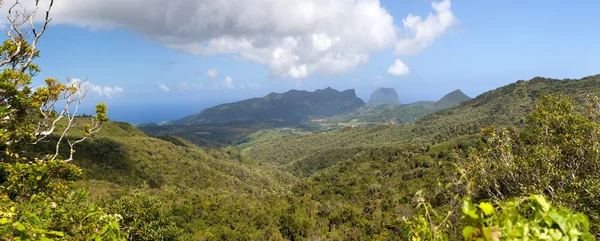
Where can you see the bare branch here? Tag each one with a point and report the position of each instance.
(36, 35)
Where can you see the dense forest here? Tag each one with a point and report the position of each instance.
(520, 162)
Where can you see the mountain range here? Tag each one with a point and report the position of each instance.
(291, 107)
(398, 114)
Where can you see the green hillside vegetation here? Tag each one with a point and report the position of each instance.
(517, 163)
(359, 196)
(451, 99)
(291, 107)
(503, 107)
(233, 133)
(215, 135)
(168, 189)
(392, 114)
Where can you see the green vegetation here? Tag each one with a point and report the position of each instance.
(37, 201)
(532, 175)
(451, 99)
(217, 135)
(292, 107)
(235, 133)
(389, 114)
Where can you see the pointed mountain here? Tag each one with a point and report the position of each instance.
(384, 96)
(291, 107)
(452, 99)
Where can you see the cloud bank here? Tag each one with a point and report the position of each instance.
(293, 38)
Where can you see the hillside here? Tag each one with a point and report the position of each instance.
(394, 114)
(384, 96)
(504, 106)
(291, 107)
(451, 99)
(349, 184)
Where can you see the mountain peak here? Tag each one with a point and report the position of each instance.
(384, 96)
(453, 98)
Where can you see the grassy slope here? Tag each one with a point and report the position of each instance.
(122, 156)
(504, 106)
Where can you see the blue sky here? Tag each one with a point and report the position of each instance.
(472, 45)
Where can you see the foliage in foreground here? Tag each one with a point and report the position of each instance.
(37, 201)
(529, 218)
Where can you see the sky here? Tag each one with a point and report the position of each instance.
(159, 60)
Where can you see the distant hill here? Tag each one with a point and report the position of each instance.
(384, 96)
(395, 114)
(502, 107)
(291, 107)
(452, 99)
(147, 124)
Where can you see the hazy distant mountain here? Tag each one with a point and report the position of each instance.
(393, 114)
(452, 99)
(293, 106)
(146, 124)
(384, 96)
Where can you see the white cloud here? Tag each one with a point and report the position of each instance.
(92, 89)
(212, 73)
(399, 68)
(228, 83)
(293, 38)
(184, 86)
(422, 33)
(163, 87)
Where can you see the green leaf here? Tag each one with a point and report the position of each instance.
(469, 209)
(4, 221)
(57, 233)
(542, 201)
(467, 232)
(19, 226)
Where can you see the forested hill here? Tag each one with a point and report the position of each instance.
(451, 99)
(505, 106)
(359, 181)
(291, 107)
(397, 114)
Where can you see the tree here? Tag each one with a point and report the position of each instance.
(36, 201)
(556, 155)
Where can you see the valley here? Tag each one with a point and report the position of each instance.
(299, 156)
(284, 183)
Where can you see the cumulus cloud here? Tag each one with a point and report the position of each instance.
(212, 73)
(422, 33)
(293, 38)
(163, 87)
(228, 83)
(398, 68)
(102, 91)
